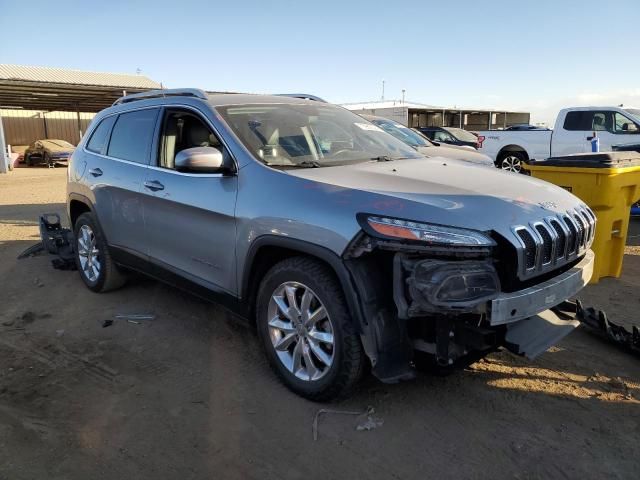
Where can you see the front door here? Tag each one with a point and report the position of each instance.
(189, 217)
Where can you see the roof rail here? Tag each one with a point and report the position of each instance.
(304, 96)
(172, 92)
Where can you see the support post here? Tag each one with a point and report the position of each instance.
(44, 121)
(79, 124)
(4, 156)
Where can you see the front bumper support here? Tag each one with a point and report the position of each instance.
(515, 306)
(533, 336)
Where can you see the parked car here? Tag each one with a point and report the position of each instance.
(616, 127)
(48, 151)
(451, 136)
(525, 127)
(343, 244)
(425, 146)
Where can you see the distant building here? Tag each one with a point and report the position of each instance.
(421, 115)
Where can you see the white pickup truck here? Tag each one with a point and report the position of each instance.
(616, 127)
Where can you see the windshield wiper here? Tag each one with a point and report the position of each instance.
(305, 164)
(309, 163)
(387, 158)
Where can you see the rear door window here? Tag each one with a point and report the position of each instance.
(132, 135)
(100, 137)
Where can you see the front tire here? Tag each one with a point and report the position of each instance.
(306, 330)
(97, 269)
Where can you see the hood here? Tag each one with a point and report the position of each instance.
(444, 191)
(459, 153)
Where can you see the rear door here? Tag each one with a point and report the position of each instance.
(115, 171)
(190, 217)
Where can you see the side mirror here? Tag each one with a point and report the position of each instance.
(200, 160)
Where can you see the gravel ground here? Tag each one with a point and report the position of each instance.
(188, 394)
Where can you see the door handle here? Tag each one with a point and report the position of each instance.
(154, 185)
(96, 172)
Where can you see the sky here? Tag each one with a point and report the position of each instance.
(535, 56)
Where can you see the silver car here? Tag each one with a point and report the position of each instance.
(346, 246)
(425, 146)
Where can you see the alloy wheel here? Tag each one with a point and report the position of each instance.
(511, 163)
(88, 253)
(301, 331)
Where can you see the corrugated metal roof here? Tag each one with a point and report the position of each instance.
(399, 104)
(387, 104)
(74, 77)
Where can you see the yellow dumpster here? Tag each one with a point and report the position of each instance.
(609, 183)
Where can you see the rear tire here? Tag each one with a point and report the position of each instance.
(512, 161)
(95, 265)
(306, 330)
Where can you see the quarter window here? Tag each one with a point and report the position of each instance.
(100, 137)
(132, 133)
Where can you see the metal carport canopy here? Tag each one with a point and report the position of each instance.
(49, 89)
(57, 89)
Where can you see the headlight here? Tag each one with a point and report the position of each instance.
(455, 285)
(428, 233)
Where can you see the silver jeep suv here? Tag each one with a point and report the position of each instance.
(344, 245)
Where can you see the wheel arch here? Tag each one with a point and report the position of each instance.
(510, 149)
(268, 250)
(78, 204)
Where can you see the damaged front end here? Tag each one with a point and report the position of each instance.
(428, 291)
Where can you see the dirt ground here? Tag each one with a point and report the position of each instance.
(189, 395)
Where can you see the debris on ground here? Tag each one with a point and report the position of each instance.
(32, 251)
(369, 411)
(597, 322)
(56, 241)
(107, 323)
(135, 316)
(38, 283)
(369, 423)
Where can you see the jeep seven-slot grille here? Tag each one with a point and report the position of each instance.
(554, 241)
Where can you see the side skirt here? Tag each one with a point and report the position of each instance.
(176, 278)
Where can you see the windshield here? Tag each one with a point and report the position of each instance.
(461, 134)
(402, 133)
(635, 112)
(311, 135)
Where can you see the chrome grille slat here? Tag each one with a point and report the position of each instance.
(554, 241)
